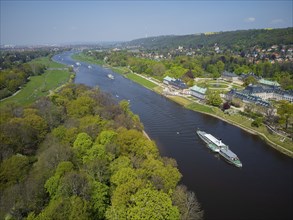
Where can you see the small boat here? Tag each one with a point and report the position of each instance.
(77, 64)
(89, 67)
(110, 76)
(212, 143)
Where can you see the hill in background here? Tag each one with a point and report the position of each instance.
(234, 40)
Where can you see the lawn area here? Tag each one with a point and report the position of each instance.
(47, 62)
(142, 81)
(181, 100)
(39, 86)
(89, 59)
(158, 89)
(201, 108)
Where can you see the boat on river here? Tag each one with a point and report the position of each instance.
(110, 76)
(219, 147)
(212, 142)
(230, 156)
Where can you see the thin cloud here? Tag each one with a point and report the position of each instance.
(250, 19)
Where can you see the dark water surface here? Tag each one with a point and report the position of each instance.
(261, 189)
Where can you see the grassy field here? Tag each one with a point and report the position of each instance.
(181, 100)
(158, 89)
(38, 86)
(47, 62)
(88, 59)
(200, 108)
(220, 85)
(142, 81)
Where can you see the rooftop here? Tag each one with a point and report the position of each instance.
(168, 78)
(198, 89)
(268, 82)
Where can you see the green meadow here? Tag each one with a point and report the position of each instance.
(39, 86)
(140, 80)
(47, 62)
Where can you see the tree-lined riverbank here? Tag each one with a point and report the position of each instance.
(173, 128)
(277, 142)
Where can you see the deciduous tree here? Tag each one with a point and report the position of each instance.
(285, 110)
(152, 204)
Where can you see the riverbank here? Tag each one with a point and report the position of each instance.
(239, 121)
(236, 120)
(275, 141)
(254, 132)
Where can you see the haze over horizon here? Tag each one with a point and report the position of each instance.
(59, 22)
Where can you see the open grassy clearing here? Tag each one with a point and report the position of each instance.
(200, 108)
(158, 89)
(140, 80)
(180, 100)
(38, 86)
(47, 62)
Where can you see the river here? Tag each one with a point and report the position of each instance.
(261, 189)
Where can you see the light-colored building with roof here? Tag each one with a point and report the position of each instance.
(269, 93)
(198, 92)
(167, 80)
(269, 83)
(175, 83)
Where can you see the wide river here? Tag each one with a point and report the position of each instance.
(261, 189)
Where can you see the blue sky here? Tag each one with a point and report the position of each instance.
(41, 22)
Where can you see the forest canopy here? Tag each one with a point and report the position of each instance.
(77, 154)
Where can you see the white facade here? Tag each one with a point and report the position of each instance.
(198, 92)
